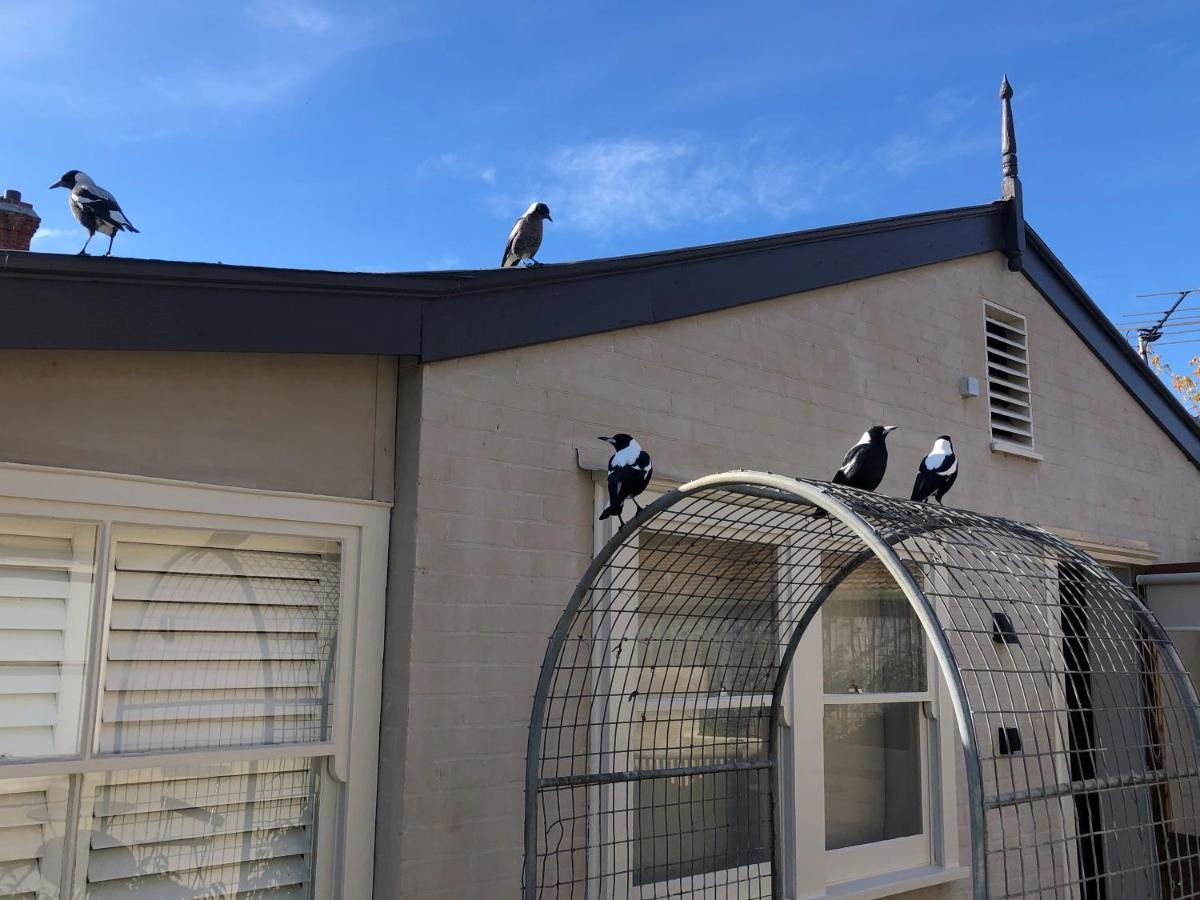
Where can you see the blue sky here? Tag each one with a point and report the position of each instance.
(408, 136)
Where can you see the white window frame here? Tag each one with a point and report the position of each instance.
(345, 851)
(725, 884)
(807, 868)
(886, 867)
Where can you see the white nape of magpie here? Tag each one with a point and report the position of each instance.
(526, 237)
(94, 208)
(629, 471)
(936, 472)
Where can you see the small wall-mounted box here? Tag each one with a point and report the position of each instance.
(968, 386)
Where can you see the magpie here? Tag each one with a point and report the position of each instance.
(526, 237)
(94, 208)
(936, 472)
(866, 461)
(629, 471)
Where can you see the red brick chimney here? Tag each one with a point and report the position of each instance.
(18, 222)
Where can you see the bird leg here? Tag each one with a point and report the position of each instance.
(112, 237)
(635, 503)
(621, 519)
(83, 252)
(533, 262)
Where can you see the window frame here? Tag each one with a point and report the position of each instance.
(803, 862)
(343, 857)
(723, 884)
(933, 854)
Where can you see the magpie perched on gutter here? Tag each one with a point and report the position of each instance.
(94, 208)
(866, 462)
(629, 471)
(526, 237)
(936, 472)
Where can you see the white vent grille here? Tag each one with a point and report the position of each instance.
(216, 647)
(1009, 397)
(238, 831)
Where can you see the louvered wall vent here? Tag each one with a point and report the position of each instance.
(1009, 398)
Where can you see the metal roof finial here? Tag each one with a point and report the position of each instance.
(1008, 138)
(1010, 186)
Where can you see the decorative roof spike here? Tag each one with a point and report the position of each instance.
(1008, 136)
(1010, 186)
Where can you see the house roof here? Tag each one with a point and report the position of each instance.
(52, 301)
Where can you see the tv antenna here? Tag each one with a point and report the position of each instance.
(1150, 331)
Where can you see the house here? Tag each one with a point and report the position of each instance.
(280, 550)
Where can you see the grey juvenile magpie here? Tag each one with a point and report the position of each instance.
(866, 461)
(937, 471)
(629, 471)
(94, 208)
(526, 236)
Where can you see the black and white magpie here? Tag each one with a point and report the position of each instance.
(866, 462)
(94, 208)
(936, 472)
(526, 237)
(629, 471)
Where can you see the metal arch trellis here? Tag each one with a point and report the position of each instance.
(654, 764)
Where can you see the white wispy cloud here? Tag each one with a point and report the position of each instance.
(237, 56)
(643, 183)
(904, 153)
(292, 14)
(947, 105)
(454, 165)
(56, 236)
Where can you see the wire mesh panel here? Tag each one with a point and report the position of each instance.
(654, 765)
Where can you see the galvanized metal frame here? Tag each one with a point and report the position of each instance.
(1022, 561)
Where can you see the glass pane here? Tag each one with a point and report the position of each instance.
(32, 824)
(234, 829)
(873, 773)
(219, 639)
(690, 824)
(47, 569)
(873, 642)
(709, 608)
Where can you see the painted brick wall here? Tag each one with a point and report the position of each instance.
(504, 515)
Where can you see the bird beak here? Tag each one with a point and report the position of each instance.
(888, 429)
(606, 440)
(58, 183)
(548, 219)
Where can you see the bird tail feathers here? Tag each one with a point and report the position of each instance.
(610, 511)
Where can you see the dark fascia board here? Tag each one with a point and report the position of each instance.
(52, 301)
(1052, 280)
(550, 303)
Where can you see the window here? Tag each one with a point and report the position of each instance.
(720, 650)
(175, 715)
(867, 770)
(1009, 397)
(876, 680)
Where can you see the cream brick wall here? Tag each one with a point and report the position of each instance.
(306, 423)
(503, 514)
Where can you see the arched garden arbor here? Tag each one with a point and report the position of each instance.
(659, 763)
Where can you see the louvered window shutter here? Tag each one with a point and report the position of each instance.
(32, 815)
(46, 574)
(213, 646)
(232, 831)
